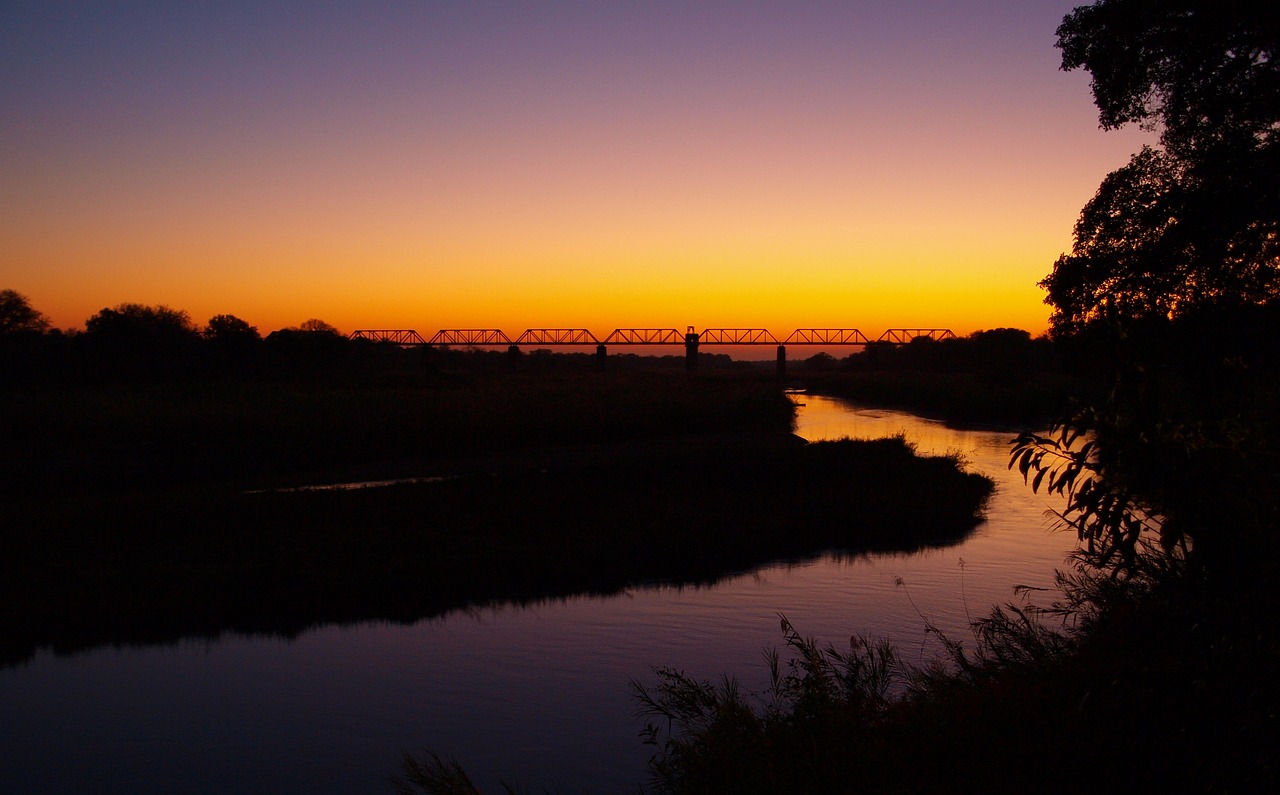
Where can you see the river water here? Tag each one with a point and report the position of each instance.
(536, 696)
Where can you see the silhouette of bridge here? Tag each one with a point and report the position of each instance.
(691, 339)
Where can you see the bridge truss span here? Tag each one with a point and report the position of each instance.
(826, 336)
(899, 336)
(395, 336)
(645, 336)
(737, 336)
(481, 337)
(470, 336)
(557, 336)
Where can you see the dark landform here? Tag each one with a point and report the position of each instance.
(151, 508)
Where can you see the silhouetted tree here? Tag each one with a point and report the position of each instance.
(139, 340)
(137, 321)
(230, 327)
(18, 316)
(231, 345)
(821, 361)
(27, 347)
(311, 349)
(1172, 291)
(1193, 222)
(317, 326)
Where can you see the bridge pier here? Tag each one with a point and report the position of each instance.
(782, 365)
(691, 351)
(513, 356)
(602, 356)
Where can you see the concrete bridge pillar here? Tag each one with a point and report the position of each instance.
(782, 365)
(691, 351)
(602, 355)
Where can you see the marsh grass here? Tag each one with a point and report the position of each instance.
(435, 774)
(1155, 682)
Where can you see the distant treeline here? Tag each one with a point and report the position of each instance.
(132, 341)
(1001, 354)
(1002, 376)
(136, 341)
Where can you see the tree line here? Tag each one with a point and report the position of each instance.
(133, 340)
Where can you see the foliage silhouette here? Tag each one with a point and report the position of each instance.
(17, 316)
(317, 326)
(1196, 221)
(999, 376)
(135, 340)
(136, 322)
(1171, 295)
(230, 328)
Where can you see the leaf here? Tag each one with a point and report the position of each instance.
(1035, 484)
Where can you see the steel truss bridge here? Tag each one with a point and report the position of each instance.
(690, 339)
(492, 337)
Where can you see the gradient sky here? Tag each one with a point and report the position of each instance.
(437, 165)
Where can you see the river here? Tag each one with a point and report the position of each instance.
(537, 696)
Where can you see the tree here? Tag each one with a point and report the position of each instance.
(17, 315)
(136, 340)
(317, 326)
(138, 322)
(230, 328)
(1195, 221)
(1171, 293)
(821, 361)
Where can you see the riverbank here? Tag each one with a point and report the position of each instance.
(962, 399)
(127, 559)
(263, 433)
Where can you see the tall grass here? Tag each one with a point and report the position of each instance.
(1154, 682)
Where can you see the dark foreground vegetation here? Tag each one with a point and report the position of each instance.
(146, 565)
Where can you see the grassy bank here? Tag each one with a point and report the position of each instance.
(137, 513)
(149, 566)
(119, 435)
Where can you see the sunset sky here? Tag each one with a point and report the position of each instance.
(435, 165)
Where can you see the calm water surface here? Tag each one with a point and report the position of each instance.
(536, 696)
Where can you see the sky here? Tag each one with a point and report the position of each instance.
(514, 165)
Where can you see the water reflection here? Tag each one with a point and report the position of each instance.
(536, 694)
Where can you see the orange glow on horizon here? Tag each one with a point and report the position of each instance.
(657, 178)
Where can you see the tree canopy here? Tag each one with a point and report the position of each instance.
(139, 321)
(315, 325)
(230, 327)
(1195, 221)
(17, 315)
